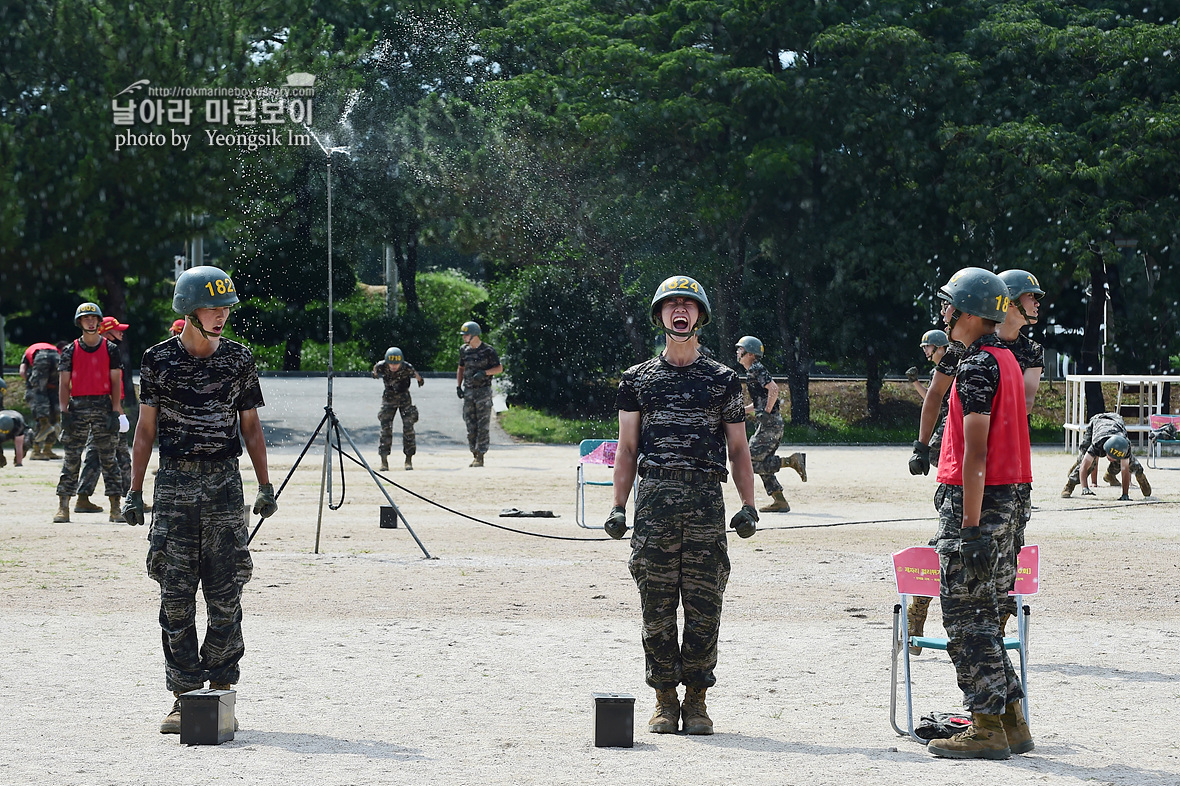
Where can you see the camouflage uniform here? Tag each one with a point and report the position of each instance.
(769, 431)
(396, 398)
(90, 462)
(948, 365)
(41, 393)
(477, 394)
(678, 546)
(18, 429)
(971, 608)
(90, 417)
(198, 533)
(1102, 427)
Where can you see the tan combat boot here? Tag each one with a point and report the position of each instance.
(1144, 486)
(1016, 729)
(666, 718)
(1111, 479)
(225, 686)
(409, 462)
(44, 429)
(983, 739)
(171, 722)
(384, 464)
(778, 503)
(696, 715)
(1070, 485)
(38, 453)
(84, 505)
(477, 461)
(798, 462)
(47, 452)
(63, 509)
(116, 510)
(916, 619)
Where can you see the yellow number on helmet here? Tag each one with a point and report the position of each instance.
(221, 286)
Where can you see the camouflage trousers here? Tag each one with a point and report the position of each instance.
(389, 409)
(88, 481)
(1024, 513)
(679, 555)
(477, 414)
(971, 607)
(936, 442)
(198, 537)
(90, 419)
(1075, 472)
(40, 396)
(766, 439)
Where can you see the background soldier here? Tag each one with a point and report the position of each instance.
(90, 393)
(678, 414)
(764, 406)
(985, 454)
(478, 363)
(12, 426)
(177, 327)
(39, 370)
(395, 372)
(111, 329)
(199, 396)
(1097, 438)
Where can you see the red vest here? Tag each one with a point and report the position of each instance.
(91, 374)
(34, 349)
(1009, 459)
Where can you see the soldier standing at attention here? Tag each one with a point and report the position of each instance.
(199, 395)
(764, 406)
(112, 330)
(478, 363)
(985, 455)
(679, 414)
(39, 370)
(90, 391)
(396, 373)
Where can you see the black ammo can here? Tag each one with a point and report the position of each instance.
(207, 716)
(388, 517)
(614, 720)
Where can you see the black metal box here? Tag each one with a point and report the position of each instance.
(207, 716)
(388, 517)
(614, 720)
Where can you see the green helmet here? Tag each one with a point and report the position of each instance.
(752, 345)
(7, 426)
(87, 309)
(393, 355)
(470, 329)
(1020, 282)
(1117, 447)
(934, 338)
(203, 287)
(976, 291)
(681, 286)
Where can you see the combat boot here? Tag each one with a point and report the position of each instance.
(38, 453)
(224, 686)
(44, 429)
(116, 510)
(1070, 485)
(916, 619)
(384, 464)
(477, 461)
(983, 739)
(63, 509)
(1111, 479)
(409, 462)
(1144, 486)
(779, 503)
(1016, 729)
(84, 505)
(171, 722)
(46, 453)
(695, 713)
(666, 719)
(3, 461)
(798, 462)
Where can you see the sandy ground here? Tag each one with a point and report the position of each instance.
(367, 663)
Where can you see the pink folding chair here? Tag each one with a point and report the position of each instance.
(592, 451)
(917, 572)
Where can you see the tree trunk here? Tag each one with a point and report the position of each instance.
(1091, 361)
(293, 353)
(406, 254)
(873, 384)
(796, 341)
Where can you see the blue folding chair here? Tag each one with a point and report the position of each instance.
(917, 573)
(592, 451)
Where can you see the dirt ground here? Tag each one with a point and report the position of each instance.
(367, 663)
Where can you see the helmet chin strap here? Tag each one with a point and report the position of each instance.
(950, 327)
(680, 336)
(1027, 319)
(192, 319)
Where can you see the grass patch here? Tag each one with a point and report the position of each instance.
(531, 425)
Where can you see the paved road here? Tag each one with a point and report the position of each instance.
(295, 406)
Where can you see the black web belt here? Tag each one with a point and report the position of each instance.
(682, 475)
(187, 465)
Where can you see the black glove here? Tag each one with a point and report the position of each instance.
(920, 461)
(477, 374)
(743, 521)
(975, 549)
(1125, 498)
(133, 507)
(265, 504)
(67, 421)
(459, 391)
(911, 374)
(421, 382)
(113, 420)
(616, 522)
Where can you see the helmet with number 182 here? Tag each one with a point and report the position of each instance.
(203, 287)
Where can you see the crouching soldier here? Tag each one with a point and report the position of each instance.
(396, 373)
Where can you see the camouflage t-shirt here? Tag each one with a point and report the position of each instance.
(757, 379)
(480, 358)
(396, 382)
(683, 412)
(1029, 354)
(949, 365)
(1103, 426)
(18, 423)
(198, 399)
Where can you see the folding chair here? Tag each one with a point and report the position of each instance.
(592, 451)
(1154, 445)
(917, 573)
